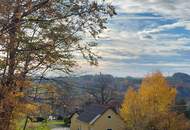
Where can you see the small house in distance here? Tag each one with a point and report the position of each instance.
(97, 117)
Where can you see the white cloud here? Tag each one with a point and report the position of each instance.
(133, 69)
(168, 8)
(134, 44)
(120, 45)
(167, 64)
(184, 24)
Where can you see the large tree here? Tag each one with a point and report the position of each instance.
(102, 90)
(149, 108)
(37, 36)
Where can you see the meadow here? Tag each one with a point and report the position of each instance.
(46, 125)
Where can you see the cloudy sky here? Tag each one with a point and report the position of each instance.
(146, 36)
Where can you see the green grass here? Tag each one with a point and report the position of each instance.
(56, 122)
(40, 126)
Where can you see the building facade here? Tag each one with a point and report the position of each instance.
(97, 117)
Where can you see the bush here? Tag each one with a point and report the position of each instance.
(67, 121)
(37, 119)
(59, 118)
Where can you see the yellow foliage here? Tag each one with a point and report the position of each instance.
(22, 103)
(156, 94)
(24, 83)
(148, 107)
(131, 108)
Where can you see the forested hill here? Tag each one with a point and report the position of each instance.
(182, 82)
(179, 80)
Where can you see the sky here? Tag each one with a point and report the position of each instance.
(145, 36)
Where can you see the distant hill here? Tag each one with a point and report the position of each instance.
(182, 83)
(179, 80)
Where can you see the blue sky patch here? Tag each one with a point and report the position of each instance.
(146, 36)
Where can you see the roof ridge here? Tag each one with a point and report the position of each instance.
(91, 112)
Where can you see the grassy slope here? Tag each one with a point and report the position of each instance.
(40, 126)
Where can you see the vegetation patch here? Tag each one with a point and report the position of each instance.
(40, 125)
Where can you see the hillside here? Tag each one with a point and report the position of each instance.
(182, 83)
(78, 84)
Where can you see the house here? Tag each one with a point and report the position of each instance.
(97, 117)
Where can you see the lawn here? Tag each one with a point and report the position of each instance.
(41, 125)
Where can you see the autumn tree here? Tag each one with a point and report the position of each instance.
(103, 90)
(131, 110)
(149, 108)
(37, 36)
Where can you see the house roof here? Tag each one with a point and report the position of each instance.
(92, 112)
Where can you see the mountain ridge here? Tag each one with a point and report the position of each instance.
(181, 81)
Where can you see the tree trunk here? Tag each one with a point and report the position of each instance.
(25, 124)
(7, 104)
(6, 115)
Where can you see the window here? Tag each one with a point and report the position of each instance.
(109, 116)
